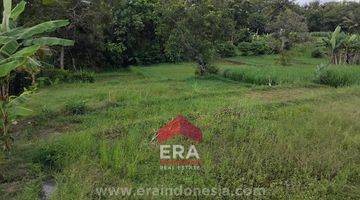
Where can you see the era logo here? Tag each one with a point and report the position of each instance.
(178, 155)
(177, 152)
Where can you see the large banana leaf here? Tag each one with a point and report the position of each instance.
(49, 41)
(27, 51)
(5, 39)
(19, 111)
(13, 32)
(9, 48)
(19, 8)
(32, 63)
(6, 68)
(42, 28)
(335, 37)
(6, 15)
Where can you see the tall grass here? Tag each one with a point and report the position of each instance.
(335, 76)
(270, 75)
(338, 76)
(298, 143)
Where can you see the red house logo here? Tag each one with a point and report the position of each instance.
(177, 156)
(179, 126)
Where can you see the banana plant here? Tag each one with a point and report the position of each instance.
(334, 43)
(347, 46)
(18, 49)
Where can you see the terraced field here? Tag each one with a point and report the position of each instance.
(295, 141)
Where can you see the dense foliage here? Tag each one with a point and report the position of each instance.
(121, 33)
(21, 49)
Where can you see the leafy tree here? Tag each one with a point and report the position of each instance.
(19, 48)
(314, 16)
(352, 21)
(192, 29)
(287, 23)
(90, 23)
(134, 33)
(327, 16)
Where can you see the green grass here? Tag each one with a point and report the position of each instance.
(297, 142)
(264, 70)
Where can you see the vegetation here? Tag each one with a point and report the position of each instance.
(113, 34)
(273, 85)
(343, 48)
(19, 48)
(111, 143)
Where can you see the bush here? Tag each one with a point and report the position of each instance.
(210, 70)
(319, 34)
(284, 58)
(250, 76)
(274, 44)
(53, 76)
(296, 37)
(151, 53)
(76, 107)
(317, 53)
(243, 35)
(82, 76)
(254, 48)
(336, 77)
(226, 49)
(49, 156)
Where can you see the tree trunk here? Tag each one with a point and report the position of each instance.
(4, 98)
(33, 79)
(202, 66)
(62, 58)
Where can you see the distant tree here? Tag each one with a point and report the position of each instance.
(327, 16)
(314, 16)
(276, 7)
(287, 22)
(352, 21)
(90, 21)
(134, 33)
(249, 14)
(192, 29)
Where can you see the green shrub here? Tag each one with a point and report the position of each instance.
(244, 35)
(226, 49)
(337, 77)
(254, 48)
(49, 156)
(319, 34)
(284, 58)
(76, 107)
(210, 70)
(53, 76)
(274, 44)
(296, 37)
(82, 76)
(272, 75)
(317, 53)
(250, 76)
(150, 53)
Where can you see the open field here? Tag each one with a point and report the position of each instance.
(169, 99)
(296, 141)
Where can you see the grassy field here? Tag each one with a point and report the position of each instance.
(296, 140)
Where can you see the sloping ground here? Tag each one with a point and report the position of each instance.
(295, 142)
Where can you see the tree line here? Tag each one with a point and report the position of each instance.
(111, 34)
